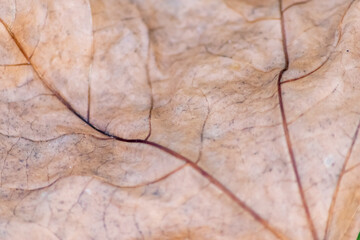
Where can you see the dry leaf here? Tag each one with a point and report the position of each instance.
(169, 119)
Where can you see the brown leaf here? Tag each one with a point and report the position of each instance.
(158, 119)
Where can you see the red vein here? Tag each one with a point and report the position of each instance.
(352, 168)
(286, 130)
(221, 187)
(193, 165)
(203, 128)
(308, 74)
(351, 222)
(340, 35)
(42, 27)
(159, 179)
(342, 173)
(341, 21)
(246, 19)
(295, 4)
(14, 65)
(151, 92)
(89, 82)
(313, 106)
(90, 69)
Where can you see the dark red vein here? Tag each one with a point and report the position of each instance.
(342, 173)
(348, 155)
(221, 187)
(193, 165)
(308, 74)
(286, 129)
(340, 35)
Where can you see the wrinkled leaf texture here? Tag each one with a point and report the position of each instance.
(169, 119)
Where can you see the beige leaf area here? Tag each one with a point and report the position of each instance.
(179, 119)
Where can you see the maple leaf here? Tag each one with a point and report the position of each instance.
(148, 119)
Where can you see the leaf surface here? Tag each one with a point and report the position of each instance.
(163, 119)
